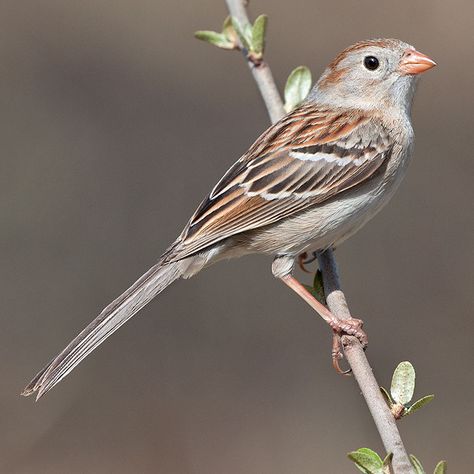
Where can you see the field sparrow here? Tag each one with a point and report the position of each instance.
(308, 183)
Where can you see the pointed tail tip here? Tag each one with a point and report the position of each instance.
(149, 285)
(34, 386)
(28, 391)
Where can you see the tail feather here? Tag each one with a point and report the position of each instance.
(153, 282)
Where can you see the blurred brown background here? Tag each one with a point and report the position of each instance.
(115, 123)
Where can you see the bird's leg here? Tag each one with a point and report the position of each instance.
(351, 327)
(304, 259)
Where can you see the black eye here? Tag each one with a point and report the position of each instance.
(371, 63)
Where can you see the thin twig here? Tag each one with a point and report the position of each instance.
(355, 355)
(335, 298)
(261, 72)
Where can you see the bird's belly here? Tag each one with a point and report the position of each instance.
(324, 225)
(339, 220)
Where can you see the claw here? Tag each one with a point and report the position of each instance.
(303, 260)
(338, 355)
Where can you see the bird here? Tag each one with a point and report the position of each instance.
(308, 183)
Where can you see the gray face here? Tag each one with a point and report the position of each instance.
(367, 75)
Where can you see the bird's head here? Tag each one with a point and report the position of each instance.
(377, 73)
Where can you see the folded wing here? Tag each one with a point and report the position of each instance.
(308, 157)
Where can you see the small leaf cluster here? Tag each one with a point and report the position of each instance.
(252, 37)
(370, 462)
(399, 398)
(234, 35)
(251, 40)
(401, 392)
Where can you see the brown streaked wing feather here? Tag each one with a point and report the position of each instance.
(306, 158)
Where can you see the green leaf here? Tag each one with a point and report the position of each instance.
(386, 396)
(258, 35)
(316, 293)
(369, 452)
(419, 404)
(297, 87)
(217, 39)
(318, 287)
(441, 468)
(367, 461)
(403, 383)
(417, 465)
(244, 32)
(387, 463)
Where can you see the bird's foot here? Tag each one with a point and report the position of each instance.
(350, 327)
(340, 327)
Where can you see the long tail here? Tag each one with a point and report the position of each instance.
(153, 282)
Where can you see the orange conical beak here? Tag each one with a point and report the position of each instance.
(414, 62)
